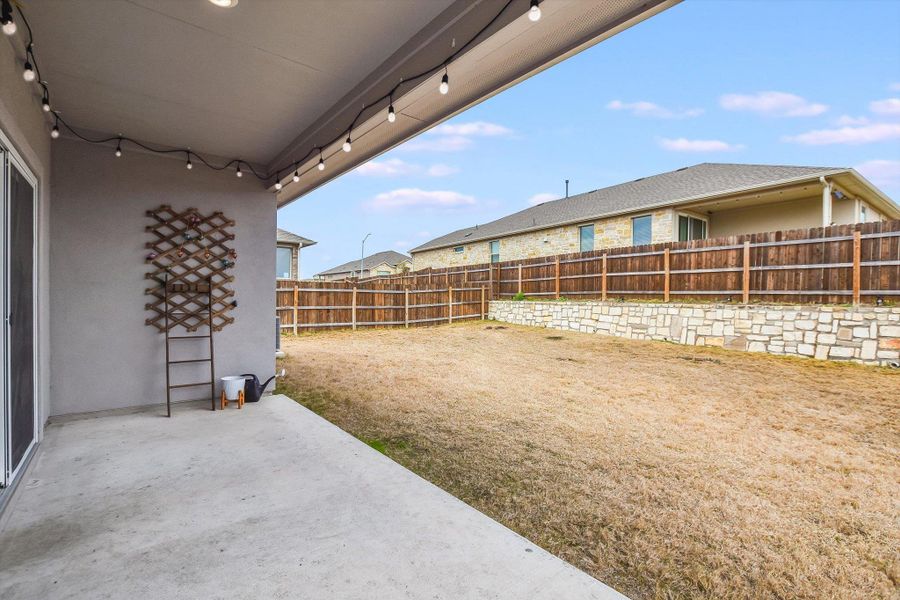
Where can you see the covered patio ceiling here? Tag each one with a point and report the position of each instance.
(270, 82)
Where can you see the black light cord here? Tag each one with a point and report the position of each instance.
(291, 165)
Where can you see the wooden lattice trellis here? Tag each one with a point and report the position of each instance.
(188, 250)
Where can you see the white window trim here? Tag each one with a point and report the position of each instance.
(593, 227)
(631, 222)
(693, 215)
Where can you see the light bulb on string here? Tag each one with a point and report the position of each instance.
(28, 73)
(238, 172)
(278, 185)
(6, 18)
(296, 176)
(346, 145)
(45, 102)
(445, 84)
(119, 148)
(391, 116)
(321, 162)
(54, 133)
(534, 13)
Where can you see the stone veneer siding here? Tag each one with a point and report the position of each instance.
(869, 335)
(613, 232)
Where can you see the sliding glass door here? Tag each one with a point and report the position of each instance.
(20, 415)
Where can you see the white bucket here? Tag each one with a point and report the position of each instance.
(233, 384)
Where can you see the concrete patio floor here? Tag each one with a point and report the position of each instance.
(268, 502)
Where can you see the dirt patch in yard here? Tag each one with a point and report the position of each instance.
(665, 471)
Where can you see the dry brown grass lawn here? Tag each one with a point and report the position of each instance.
(662, 470)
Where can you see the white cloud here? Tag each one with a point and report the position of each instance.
(643, 108)
(881, 172)
(888, 106)
(454, 137)
(473, 129)
(440, 170)
(847, 120)
(392, 167)
(773, 104)
(686, 145)
(864, 134)
(449, 143)
(416, 198)
(895, 87)
(541, 198)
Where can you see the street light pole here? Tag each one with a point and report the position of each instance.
(362, 255)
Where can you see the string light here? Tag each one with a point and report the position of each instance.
(534, 13)
(28, 73)
(278, 185)
(296, 176)
(6, 18)
(31, 73)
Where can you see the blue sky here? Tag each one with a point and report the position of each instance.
(786, 82)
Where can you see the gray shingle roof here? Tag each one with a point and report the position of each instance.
(674, 187)
(287, 237)
(373, 260)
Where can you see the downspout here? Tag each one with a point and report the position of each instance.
(826, 202)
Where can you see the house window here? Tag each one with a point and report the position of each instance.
(586, 237)
(283, 256)
(495, 251)
(691, 228)
(863, 214)
(381, 272)
(458, 249)
(641, 230)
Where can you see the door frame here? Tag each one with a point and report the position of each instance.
(11, 158)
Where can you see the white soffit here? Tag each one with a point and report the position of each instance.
(517, 51)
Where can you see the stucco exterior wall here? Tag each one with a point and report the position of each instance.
(103, 355)
(613, 232)
(24, 124)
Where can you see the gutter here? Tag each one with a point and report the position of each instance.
(668, 203)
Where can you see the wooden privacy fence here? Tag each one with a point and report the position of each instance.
(318, 305)
(837, 264)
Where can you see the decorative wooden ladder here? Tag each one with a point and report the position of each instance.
(189, 290)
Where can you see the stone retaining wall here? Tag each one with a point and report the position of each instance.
(869, 335)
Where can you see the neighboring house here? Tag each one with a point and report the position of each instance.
(287, 254)
(374, 265)
(706, 200)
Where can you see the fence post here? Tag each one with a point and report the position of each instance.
(406, 308)
(429, 275)
(746, 276)
(465, 275)
(449, 304)
(666, 280)
(482, 303)
(557, 278)
(857, 256)
(353, 310)
(296, 304)
(520, 278)
(491, 279)
(603, 280)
